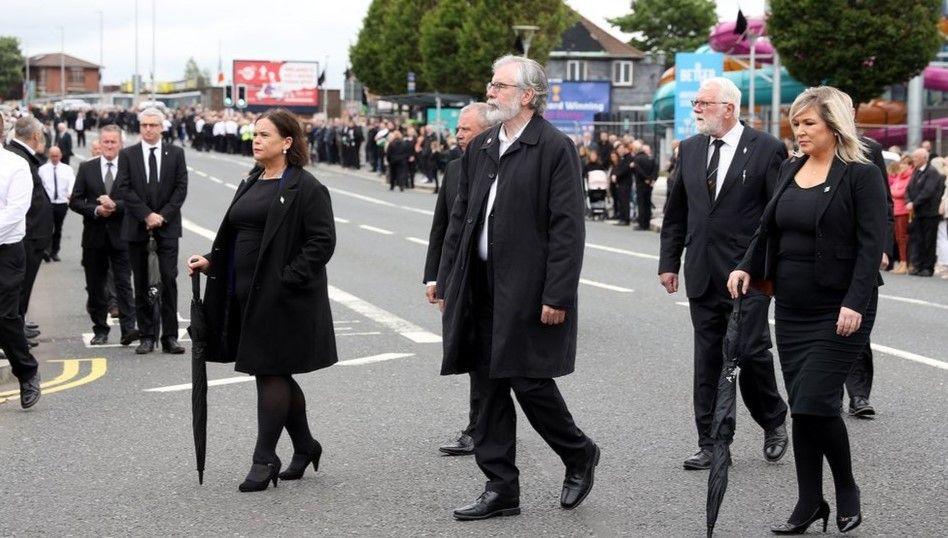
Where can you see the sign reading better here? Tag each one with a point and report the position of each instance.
(690, 70)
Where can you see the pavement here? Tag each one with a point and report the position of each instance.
(108, 449)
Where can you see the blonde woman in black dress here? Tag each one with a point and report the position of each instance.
(820, 242)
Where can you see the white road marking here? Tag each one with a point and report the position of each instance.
(374, 358)
(198, 229)
(912, 301)
(230, 186)
(369, 333)
(215, 179)
(417, 240)
(211, 383)
(622, 251)
(382, 231)
(604, 286)
(341, 221)
(377, 201)
(683, 303)
(401, 326)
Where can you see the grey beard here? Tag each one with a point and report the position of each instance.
(498, 114)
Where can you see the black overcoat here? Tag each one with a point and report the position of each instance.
(286, 326)
(536, 250)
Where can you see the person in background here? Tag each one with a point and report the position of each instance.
(900, 173)
(58, 179)
(923, 196)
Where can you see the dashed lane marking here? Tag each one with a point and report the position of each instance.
(374, 358)
(341, 221)
(610, 287)
(383, 317)
(623, 251)
(382, 231)
(417, 240)
(912, 301)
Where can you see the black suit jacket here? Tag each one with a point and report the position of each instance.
(97, 231)
(645, 169)
(64, 142)
(850, 232)
(925, 191)
(39, 218)
(439, 224)
(875, 155)
(130, 186)
(717, 234)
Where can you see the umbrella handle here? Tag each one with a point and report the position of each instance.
(196, 285)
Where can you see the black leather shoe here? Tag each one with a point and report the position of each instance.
(926, 272)
(489, 504)
(32, 343)
(145, 346)
(260, 476)
(294, 471)
(775, 443)
(31, 325)
(464, 446)
(699, 462)
(822, 512)
(130, 337)
(31, 333)
(99, 340)
(579, 483)
(859, 407)
(54, 257)
(170, 345)
(30, 391)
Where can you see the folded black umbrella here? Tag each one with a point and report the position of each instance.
(725, 414)
(198, 332)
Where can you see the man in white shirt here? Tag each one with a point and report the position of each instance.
(16, 190)
(58, 179)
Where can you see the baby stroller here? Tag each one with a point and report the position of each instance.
(597, 187)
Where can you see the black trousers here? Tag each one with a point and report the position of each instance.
(475, 403)
(709, 317)
(59, 215)
(495, 430)
(34, 250)
(859, 380)
(623, 198)
(643, 199)
(923, 238)
(81, 138)
(12, 338)
(168, 268)
(97, 262)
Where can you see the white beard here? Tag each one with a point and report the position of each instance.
(498, 113)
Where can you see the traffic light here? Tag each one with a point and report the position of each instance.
(241, 96)
(228, 96)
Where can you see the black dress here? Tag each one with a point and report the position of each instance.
(814, 359)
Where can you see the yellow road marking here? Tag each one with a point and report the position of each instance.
(62, 381)
(70, 370)
(98, 370)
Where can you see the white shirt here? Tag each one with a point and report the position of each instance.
(145, 153)
(230, 127)
(504, 146)
(58, 185)
(16, 193)
(731, 139)
(218, 129)
(80, 124)
(105, 168)
(199, 124)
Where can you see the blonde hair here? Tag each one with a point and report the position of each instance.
(835, 108)
(939, 164)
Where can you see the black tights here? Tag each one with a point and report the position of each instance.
(813, 438)
(280, 404)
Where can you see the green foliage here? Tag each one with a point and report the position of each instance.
(438, 46)
(859, 47)
(11, 67)
(193, 71)
(669, 26)
(365, 55)
(387, 46)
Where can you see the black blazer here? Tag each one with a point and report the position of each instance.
(850, 232)
(875, 155)
(64, 142)
(39, 218)
(925, 191)
(286, 325)
(439, 223)
(717, 235)
(130, 185)
(97, 231)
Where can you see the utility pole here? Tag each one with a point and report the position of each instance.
(101, 50)
(62, 61)
(152, 50)
(136, 79)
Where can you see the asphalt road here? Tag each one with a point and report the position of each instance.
(101, 454)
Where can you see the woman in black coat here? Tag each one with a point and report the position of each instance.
(820, 243)
(267, 303)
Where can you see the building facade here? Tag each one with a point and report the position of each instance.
(46, 70)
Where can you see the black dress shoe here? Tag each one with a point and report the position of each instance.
(859, 407)
(489, 504)
(822, 512)
(54, 257)
(130, 337)
(170, 345)
(926, 272)
(30, 391)
(579, 483)
(699, 462)
(775, 443)
(260, 476)
(31, 333)
(99, 340)
(464, 446)
(32, 325)
(32, 343)
(294, 471)
(145, 346)
(46, 257)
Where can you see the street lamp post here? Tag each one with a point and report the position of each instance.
(525, 32)
(62, 61)
(101, 50)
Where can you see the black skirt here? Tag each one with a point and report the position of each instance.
(814, 359)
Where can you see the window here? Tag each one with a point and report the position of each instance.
(576, 70)
(622, 73)
(76, 75)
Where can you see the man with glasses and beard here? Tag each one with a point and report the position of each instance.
(724, 179)
(509, 277)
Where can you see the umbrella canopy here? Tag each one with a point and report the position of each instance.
(725, 415)
(198, 332)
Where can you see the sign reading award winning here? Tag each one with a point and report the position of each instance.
(292, 84)
(690, 69)
(570, 105)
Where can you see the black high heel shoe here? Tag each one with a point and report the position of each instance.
(848, 523)
(294, 471)
(260, 476)
(823, 512)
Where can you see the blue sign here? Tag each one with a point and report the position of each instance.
(572, 104)
(691, 68)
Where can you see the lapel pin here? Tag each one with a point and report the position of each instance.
(745, 149)
(827, 189)
(281, 199)
(743, 173)
(489, 139)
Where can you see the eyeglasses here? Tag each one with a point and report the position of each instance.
(501, 86)
(706, 104)
(149, 125)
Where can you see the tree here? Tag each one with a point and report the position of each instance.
(858, 47)
(11, 67)
(365, 53)
(668, 26)
(439, 47)
(387, 46)
(192, 71)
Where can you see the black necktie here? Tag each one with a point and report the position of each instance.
(109, 178)
(55, 185)
(153, 176)
(712, 174)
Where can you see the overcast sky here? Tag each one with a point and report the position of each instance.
(285, 29)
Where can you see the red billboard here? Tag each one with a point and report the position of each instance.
(269, 83)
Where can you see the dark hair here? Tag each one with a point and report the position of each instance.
(288, 125)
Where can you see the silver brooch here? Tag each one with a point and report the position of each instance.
(827, 189)
(281, 199)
